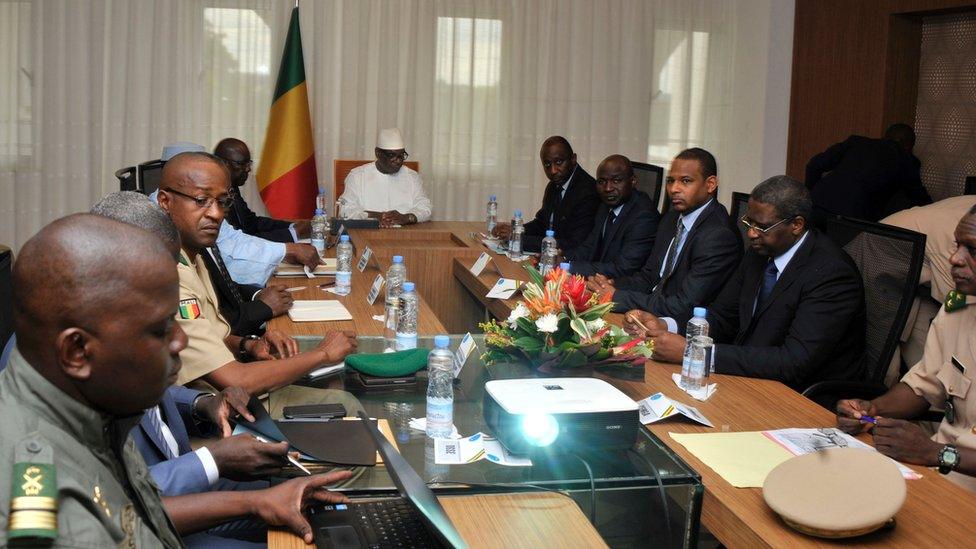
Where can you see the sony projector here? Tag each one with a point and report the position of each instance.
(559, 415)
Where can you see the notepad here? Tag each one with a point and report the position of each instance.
(318, 310)
(327, 267)
(743, 459)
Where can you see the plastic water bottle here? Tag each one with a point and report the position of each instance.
(440, 389)
(515, 239)
(699, 358)
(406, 330)
(549, 251)
(343, 266)
(321, 202)
(492, 217)
(320, 229)
(697, 326)
(395, 277)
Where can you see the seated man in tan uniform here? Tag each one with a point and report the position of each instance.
(943, 379)
(194, 191)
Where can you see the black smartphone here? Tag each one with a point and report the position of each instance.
(321, 411)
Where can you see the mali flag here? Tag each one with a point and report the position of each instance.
(286, 176)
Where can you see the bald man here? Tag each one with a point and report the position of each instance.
(195, 192)
(97, 345)
(237, 158)
(626, 223)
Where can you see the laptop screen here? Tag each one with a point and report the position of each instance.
(414, 489)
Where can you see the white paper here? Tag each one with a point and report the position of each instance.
(318, 310)
(475, 448)
(294, 288)
(327, 370)
(463, 352)
(379, 318)
(364, 259)
(807, 441)
(480, 264)
(702, 394)
(374, 290)
(657, 407)
(420, 424)
(327, 267)
(503, 289)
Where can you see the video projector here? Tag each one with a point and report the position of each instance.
(559, 415)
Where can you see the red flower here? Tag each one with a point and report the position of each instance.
(574, 290)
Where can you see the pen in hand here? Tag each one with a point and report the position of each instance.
(292, 460)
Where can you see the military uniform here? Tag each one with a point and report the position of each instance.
(936, 377)
(199, 316)
(71, 473)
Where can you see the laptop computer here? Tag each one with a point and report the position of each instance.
(414, 519)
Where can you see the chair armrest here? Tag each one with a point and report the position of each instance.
(827, 393)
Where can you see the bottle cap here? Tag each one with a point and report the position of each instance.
(408, 286)
(441, 341)
(344, 238)
(518, 213)
(492, 198)
(564, 265)
(318, 211)
(550, 232)
(700, 311)
(398, 259)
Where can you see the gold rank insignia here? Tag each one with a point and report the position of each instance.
(954, 301)
(100, 501)
(33, 502)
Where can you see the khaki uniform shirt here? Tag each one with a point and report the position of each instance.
(105, 496)
(952, 335)
(199, 316)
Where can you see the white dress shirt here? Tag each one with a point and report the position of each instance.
(368, 189)
(206, 458)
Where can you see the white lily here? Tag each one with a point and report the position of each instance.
(520, 311)
(547, 323)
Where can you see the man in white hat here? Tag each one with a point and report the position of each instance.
(386, 189)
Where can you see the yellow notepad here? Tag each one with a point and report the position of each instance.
(742, 459)
(318, 310)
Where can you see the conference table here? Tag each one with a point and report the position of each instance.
(934, 512)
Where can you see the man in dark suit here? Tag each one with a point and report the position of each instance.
(866, 178)
(794, 309)
(569, 204)
(625, 225)
(237, 157)
(245, 307)
(684, 270)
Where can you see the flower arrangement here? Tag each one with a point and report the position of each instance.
(560, 324)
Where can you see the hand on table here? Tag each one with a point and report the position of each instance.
(277, 298)
(393, 217)
(905, 441)
(599, 283)
(301, 254)
(336, 345)
(243, 457)
(669, 347)
(224, 406)
(283, 345)
(282, 505)
(502, 231)
(849, 414)
(643, 324)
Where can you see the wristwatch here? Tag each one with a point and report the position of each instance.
(196, 414)
(241, 351)
(948, 459)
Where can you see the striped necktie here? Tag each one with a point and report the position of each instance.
(156, 426)
(225, 276)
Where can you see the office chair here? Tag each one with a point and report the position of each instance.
(738, 209)
(890, 261)
(341, 168)
(6, 295)
(149, 174)
(650, 179)
(127, 179)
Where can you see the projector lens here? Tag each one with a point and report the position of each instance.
(540, 429)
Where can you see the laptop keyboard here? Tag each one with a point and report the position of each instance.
(388, 523)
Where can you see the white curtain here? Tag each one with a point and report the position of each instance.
(90, 86)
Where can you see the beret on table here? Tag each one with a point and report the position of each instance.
(397, 364)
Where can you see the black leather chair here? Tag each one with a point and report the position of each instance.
(149, 174)
(738, 209)
(970, 187)
(127, 179)
(6, 295)
(650, 179)
(890, 261)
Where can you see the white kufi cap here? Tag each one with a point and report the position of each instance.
(390, 140)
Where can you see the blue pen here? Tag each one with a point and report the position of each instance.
(869, 419)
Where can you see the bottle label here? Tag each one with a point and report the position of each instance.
(319, 244)
(343, 278)
(406, 342)
(440, 414)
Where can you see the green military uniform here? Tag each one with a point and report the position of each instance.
(104, 496)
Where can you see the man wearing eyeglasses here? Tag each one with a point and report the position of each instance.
(794, 309)
(194, 191)
(386, 189)
(625, 225)
(237, 157)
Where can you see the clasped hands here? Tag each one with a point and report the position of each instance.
(896, 438)
(668, 347)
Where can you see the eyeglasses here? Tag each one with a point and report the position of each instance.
(763, 230)
(204, 202)
(391, 156)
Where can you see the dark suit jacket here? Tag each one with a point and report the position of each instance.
(865, 177)
(246, 319)
(626, 243)
(811, 328)
(242, 217)
(574, 216)
(711, 252)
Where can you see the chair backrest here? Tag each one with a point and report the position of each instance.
(127, 179)
(6, 295)
(341, 168)
(970, 187)
(650, 179)
(890, 261)
(149, 173)
(738, 209)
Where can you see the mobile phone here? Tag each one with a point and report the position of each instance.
(322, 411)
